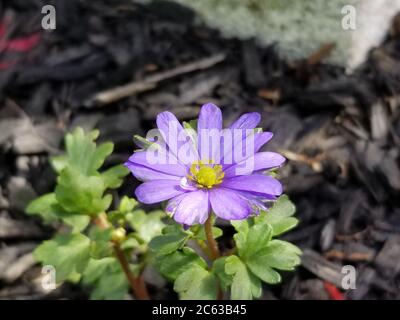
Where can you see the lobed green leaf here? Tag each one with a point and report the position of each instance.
(245, 286)
(107, 279)
(43, 207)
(279, 216)
(80, 194)
(173, 264)
(147, 226)
(196, 283)
(68, 254)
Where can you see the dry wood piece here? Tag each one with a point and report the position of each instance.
(321, 267)
(352, 251)
(327, 235)
(15, 229)
(389, 257)
(363, 284)
(17, 268)
(150, 82)
(9, 254)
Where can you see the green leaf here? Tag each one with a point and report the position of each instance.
(80, 194)
(279, 216)
(59, 162)
(245, 286)
(77, 222)
(83, 154)
(173, 238)
(257, 238)
(219, 270)
(167, 243)
(147, 226)
(196, 283)
(249, 239)
(107, 279)
(100, 246)
(191, 130)
(279, 255)
(258, 265)
(141, 142)
(66, 253)
(129, 243)
(261, 254)
(241, 226)
(174, 264)
(43, 206)
(113, 177)
(192, 124)
(217, 232)
(127, 204)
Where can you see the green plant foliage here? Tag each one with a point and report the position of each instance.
(147, 226)
(107, 278)
(245, 286)
(68, 253)
(173, 264)
(258, 253)
(172, 239)
(280, 216)
(101, 246)
(43, 207)
(76, 192)
(86, 254)
(196, 283)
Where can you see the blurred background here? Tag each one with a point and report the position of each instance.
(325, 77)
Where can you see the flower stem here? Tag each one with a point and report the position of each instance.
(214, 250)
(212, 244)
(137, 284)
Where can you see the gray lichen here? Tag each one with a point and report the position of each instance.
(299, 27)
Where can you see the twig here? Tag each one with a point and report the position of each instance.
(150, 82)
(137, 284)
(12, 104)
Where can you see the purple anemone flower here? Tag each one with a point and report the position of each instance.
(209, 170)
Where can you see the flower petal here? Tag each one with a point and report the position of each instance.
(260, 139)
(143, 173)
(176, 138)
(256, 183)
(247, 121)
(209, 128)
(190, 208)
(210, 117)
(164, 165)
(229, 204)
(260, 161)
(158, 190)
(231, 153)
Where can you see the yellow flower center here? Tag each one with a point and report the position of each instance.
(206, 175)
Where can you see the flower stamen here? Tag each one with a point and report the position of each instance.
(206, 175)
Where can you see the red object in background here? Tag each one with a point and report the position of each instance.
(333, 291)
(23, 44)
